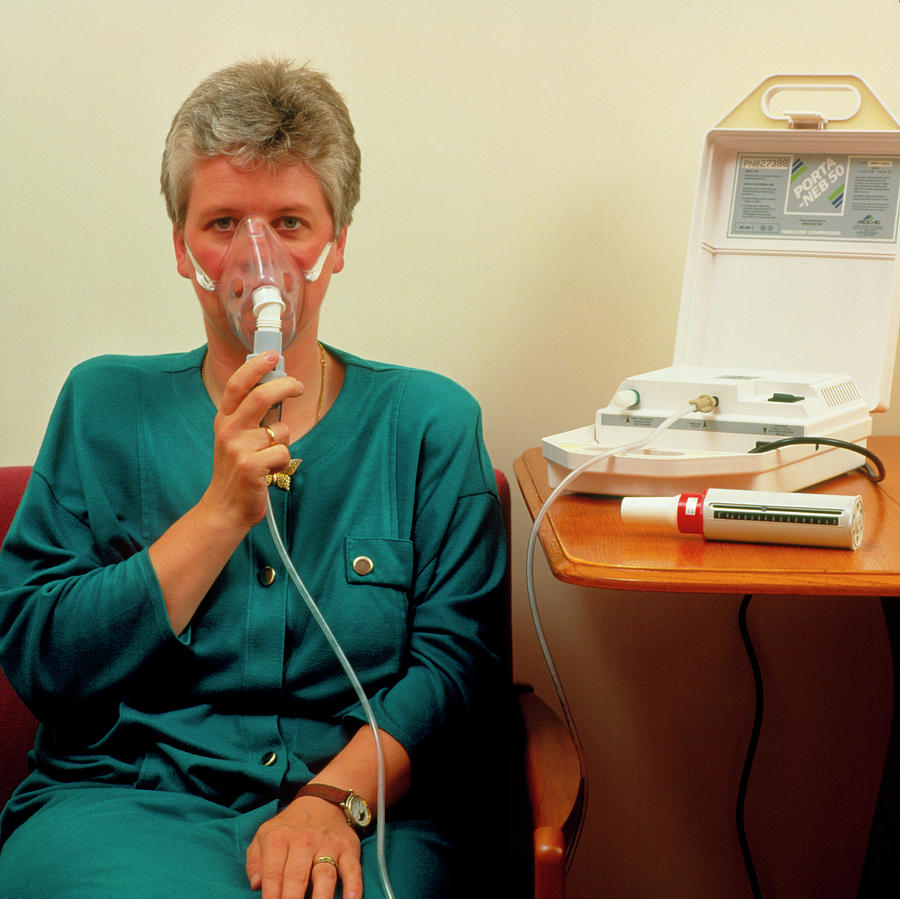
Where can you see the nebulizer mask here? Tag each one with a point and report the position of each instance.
(261, 287)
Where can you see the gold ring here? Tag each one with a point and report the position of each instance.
(325, 859)
(271, 434)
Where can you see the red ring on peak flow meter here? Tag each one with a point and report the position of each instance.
(689, 516)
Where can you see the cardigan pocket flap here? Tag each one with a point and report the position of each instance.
(379, 561)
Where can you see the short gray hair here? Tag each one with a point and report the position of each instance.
(265, 112)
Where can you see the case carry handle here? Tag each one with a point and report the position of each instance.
(811, 105)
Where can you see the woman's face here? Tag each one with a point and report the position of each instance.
(291, 201)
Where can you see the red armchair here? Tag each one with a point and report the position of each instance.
(17, 725)
(553, 773)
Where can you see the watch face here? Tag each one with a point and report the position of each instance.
(358, 809)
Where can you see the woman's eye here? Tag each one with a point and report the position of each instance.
(222, 224)
(290, 223)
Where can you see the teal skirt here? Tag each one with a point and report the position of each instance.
(116, 842)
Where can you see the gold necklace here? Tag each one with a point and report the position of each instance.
(323, 361)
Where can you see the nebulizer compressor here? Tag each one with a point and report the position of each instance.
(262, 290)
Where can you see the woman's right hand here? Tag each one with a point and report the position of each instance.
(244, 451)
(191, 554)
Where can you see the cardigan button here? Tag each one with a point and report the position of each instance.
(268, 759)
(363, 565)
(266, 576)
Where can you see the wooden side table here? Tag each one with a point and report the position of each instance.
(586, 543)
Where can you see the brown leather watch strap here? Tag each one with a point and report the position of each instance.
(324, 791)
(354, 806)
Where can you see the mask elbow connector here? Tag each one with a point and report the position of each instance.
(268, 307)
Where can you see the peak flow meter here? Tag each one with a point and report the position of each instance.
(751, 516)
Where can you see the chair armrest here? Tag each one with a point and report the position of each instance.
(555, 784)
(549, 863)
(17, 730)
(552, 768)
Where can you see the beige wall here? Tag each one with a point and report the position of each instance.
(529, 171)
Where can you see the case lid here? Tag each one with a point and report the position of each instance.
(792, 256)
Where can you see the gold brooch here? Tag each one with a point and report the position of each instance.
(282, 479)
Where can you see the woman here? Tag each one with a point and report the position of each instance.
(198, 736)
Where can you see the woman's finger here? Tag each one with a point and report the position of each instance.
(324, 876)
(244, 379)
(243, 388)
(284, 874)
(350, 872)
(275, 432)
(252, 867)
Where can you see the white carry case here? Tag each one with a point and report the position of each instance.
(789, 308)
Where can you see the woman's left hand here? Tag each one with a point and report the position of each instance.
(281, 858)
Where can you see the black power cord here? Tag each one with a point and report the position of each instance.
(876, 475)
(751, 747)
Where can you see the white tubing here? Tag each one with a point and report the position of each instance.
(532, 601)
(357, 686)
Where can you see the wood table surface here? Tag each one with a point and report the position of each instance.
(587, 543)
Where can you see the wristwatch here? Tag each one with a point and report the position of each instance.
(355, 807)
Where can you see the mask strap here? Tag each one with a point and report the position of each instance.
(203, 279)
(313, 273)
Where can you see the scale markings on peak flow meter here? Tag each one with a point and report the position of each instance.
(733, 512)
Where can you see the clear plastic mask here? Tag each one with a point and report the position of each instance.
(255, 258)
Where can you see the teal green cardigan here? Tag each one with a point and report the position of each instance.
(396, 471)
